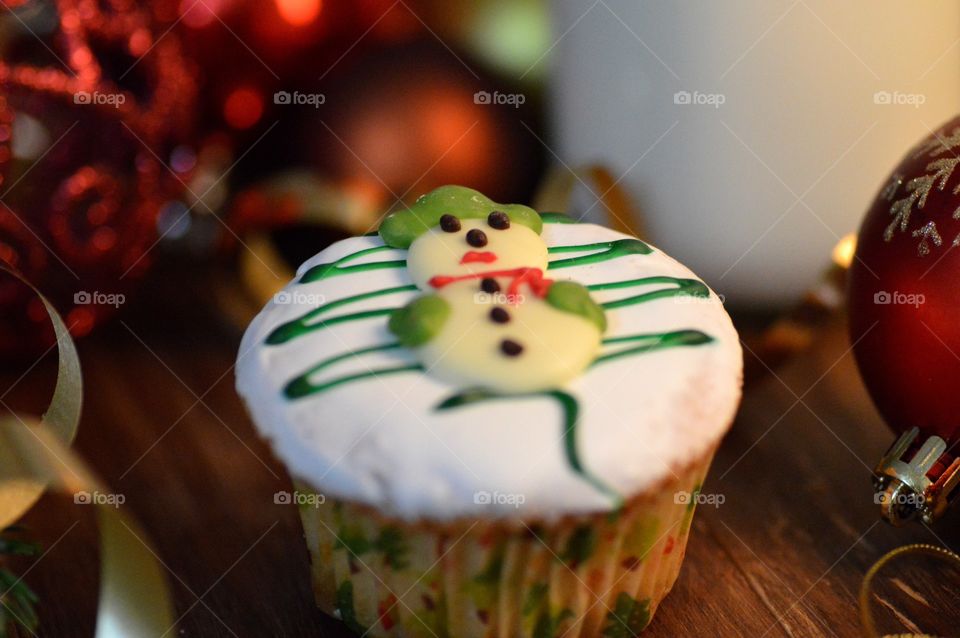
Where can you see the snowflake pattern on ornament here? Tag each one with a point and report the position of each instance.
(917, 190)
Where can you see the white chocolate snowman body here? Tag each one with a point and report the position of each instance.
(501, 333)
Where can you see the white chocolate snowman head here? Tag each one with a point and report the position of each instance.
(455, 232)
(457, 248)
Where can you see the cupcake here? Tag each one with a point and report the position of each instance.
(497, 420)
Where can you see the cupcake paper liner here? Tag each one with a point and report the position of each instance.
(588, 576)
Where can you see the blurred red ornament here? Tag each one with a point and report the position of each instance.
(92, 96)
(279, 45)
(904, 283)
(904, 302)
(408, 119)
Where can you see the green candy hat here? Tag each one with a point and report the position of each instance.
(399, 229)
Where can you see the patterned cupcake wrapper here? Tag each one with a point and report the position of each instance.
(585, 577)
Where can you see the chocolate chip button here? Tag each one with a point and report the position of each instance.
(489, 285)
(498, 220)
(510, 347)
(499, 315)
(477, 238)
(449, 223)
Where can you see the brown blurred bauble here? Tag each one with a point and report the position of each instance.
(92, 100)
(406, 119)
(904, 294)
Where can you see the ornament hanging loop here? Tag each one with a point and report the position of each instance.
(909, 485)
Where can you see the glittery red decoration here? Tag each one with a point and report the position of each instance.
(904, 292)
(112, 91)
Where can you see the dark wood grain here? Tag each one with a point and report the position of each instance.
(783, 556)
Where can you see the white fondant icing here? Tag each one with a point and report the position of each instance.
(380, 441)
(467, 351)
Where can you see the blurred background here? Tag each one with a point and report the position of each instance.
(746, 140)
(166, 165)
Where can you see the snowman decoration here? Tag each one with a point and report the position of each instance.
(489, 318)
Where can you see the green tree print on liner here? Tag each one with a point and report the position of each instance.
(628, 618)
(549, 624)
(580, 546)
(389, 542)
(348, 614)
(535, 598)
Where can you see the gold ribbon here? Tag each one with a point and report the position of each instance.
(35, 454)
(866, 613)
(556, 193)
(62, 416)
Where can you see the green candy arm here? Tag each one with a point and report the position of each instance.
(420, 320)
(399, 229)
(573, 298)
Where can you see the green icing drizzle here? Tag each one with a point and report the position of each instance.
(557, 218)
(326, 363)
(304, 324)
(298, 328)
(571, 410)
(607, 250)
(687, 287)
(653, 341)
(301, 385)
(334, 268)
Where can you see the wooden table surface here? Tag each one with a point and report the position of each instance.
(784, 554)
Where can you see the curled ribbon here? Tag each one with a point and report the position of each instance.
(617, 206)
(866, 613)
(35, 455)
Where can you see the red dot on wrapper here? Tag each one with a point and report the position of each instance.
(104, 239)
(243, 108)
(299, 12)
(139, 42)
(80, 320)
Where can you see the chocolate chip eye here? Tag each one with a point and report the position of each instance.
(476, 238)
(489, 285)
(510, 348)
(498, 220)
(449, 223)
(499, 315)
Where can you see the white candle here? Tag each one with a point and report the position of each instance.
(752, 133)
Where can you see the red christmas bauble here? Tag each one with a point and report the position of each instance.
(93, 97)
(904, 291)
